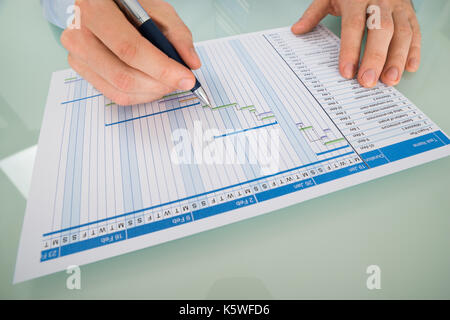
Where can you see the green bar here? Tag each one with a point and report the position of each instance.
(68, 79)
(224, 106)
(252, 110)
(306, 128)
(333, 141)
(268, 117)
(247, 107)
(109, 104)
(175, 94)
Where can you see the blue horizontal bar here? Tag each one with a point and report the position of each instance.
(197, 214)
(49, 254)
(374, 158)
(159, 225)
(286, 189)
(332, 150)
(93, 243)
(244, 130)
(405, 149)
(442, 137)
(333, 175)
(71, 101)
(152, 114)
(411, 147)
(227, 206)
(196, 195)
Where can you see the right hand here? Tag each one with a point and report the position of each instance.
(111, 54)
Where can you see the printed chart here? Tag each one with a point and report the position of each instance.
(283, 127)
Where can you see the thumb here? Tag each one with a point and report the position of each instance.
(312, 16)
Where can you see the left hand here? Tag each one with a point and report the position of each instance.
(389, 50)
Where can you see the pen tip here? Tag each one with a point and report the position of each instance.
(202, 96)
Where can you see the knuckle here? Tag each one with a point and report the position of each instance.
(181, 32)
(387, 24)
(384, 3)
(355, 22)
(164, 72)
(67, 38)
(404, 31)
(350, 51)
(89, 3)
(377, 56)
(123, 81)
(415, 49)
(84, 5)
(127, 50)
(398, 58)
(76, 41)
(89, 9)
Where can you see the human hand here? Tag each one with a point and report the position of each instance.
(111, 54)
(389, 50)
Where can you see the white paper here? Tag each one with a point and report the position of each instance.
(106, 179)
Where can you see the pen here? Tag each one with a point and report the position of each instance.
(148, 29)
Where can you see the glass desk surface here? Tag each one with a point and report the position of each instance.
(317, 249)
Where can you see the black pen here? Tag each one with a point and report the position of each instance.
(148, 29)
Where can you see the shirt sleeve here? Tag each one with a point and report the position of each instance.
(55, 11)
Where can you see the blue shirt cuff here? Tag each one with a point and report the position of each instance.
(55, 11)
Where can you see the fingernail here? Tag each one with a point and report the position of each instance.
(413, 63)
(369, 77)
(186, 84)
(349, 70)
(392, 74)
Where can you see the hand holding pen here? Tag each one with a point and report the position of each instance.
(110, 53)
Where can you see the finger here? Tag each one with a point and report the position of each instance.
(83, 45)
(176, 32)
(377, 46)
(108, 23)
(119, 97)
(398, 49)
(312, 16)
(353, 26)
(413, 61)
